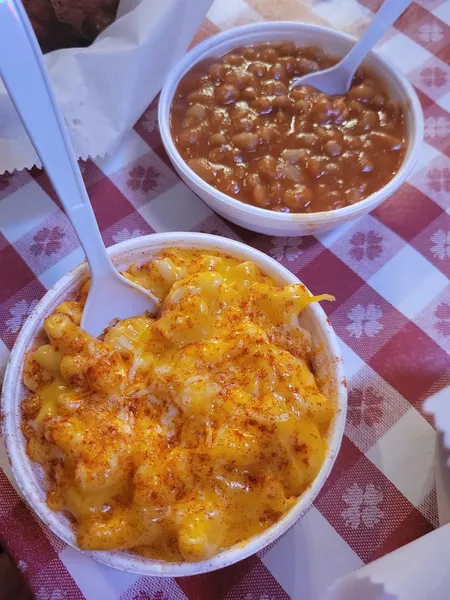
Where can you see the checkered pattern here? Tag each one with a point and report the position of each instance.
(389, 272)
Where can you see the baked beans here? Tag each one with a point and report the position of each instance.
(238, 125)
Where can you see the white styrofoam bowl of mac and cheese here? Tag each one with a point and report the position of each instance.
(328, 370)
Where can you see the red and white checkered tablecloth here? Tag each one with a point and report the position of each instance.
(389, 272)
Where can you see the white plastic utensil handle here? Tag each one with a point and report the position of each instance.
(386, 16)
(21, 61)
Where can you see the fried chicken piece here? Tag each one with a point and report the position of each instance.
(87, 18)
(50, 32)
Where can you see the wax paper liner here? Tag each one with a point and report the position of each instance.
(105, 88)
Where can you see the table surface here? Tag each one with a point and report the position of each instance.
(389, 272)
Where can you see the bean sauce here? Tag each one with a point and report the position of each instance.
(238, 125)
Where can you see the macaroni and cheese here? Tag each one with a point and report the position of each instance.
(181, 435)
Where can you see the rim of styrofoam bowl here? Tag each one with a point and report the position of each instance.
(334, 42)
(28, 475)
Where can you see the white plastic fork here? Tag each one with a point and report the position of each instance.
(337, 79)
(24, 74)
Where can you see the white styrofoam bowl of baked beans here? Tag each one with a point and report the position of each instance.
(326, 361)
(335, 44)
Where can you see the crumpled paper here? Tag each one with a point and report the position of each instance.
(104, 89)
(419, 570)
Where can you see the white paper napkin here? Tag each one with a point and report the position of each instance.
(420, 570)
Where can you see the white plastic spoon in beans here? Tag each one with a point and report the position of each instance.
(338, 79)
(24, 74)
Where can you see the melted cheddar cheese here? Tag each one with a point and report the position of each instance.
(181, 435)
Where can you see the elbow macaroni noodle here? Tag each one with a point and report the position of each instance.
(181, 435)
